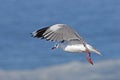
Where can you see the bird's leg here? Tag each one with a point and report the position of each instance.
(88, 57)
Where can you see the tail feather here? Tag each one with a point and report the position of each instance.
(96, 51)
(93, 49)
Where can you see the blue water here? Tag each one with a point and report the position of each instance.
(98, 21)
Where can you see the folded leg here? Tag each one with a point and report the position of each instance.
(88, 57)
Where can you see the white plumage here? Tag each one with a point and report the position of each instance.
(67, 39)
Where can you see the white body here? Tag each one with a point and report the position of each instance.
(62, 32)
(74, 48)
(79, 48)
(68, 39)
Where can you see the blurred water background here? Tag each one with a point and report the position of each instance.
(98, 21)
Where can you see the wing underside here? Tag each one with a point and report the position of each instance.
(58, 33)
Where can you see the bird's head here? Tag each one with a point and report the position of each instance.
(55, 46)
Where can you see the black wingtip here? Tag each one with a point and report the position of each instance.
(39, 33)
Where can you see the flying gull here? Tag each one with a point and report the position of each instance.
(67, 39)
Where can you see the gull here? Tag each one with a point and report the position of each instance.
(67, 39)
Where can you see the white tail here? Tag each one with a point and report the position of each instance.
(93, 49)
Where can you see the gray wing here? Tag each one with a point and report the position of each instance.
(58, 32)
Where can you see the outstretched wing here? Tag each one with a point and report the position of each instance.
(57, 32)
